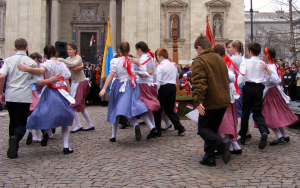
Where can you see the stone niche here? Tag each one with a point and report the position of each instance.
(217, 14)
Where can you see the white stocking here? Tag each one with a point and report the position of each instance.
(38, 133)
(166, 120)
(148, 121)
(277, 133)
(235, 145)
(49, 132)
(151, 118)
(239, 125)
(77, 121)
(283, 132)
(65, 136)
(114, 127)
(87, 118)
(133, 121)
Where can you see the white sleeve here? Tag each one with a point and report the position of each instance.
(231, 75)
(159, 73)
(113, 66)
(274, 78)
(243, 71)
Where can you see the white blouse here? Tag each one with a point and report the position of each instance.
(146, 68)
(116, 65)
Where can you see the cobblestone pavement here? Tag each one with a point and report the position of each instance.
(169, 161)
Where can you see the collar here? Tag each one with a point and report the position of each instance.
(145, 55)
(255, 58)
(209, 50)
(165, 61)
(21, 53)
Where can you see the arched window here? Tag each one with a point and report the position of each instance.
(178, 26)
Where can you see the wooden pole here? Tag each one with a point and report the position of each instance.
(175, 52)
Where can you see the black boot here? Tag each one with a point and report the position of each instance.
(68, 151)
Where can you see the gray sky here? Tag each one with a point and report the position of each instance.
(267, 5)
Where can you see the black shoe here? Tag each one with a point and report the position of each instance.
(68, 151)
(263, 141)
(181, 132)
(218, 154)
(241, 141)
(29, 138)
(277, 141)
(208, 163)
(89, 129)
(157, 134)
(248, 136)
(151, 134)
(236, 152)
(112, 140)
(138, 135)
(80, 129)
(45, 140)
(12, 151)
(53, 131)
(226, 152)
(123, 126)
(164, 129)
(287, 139)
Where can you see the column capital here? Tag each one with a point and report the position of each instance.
(112, 1)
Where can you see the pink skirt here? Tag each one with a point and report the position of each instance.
(229, 122)
(148, 95)
(81, 93)
(276, 111)
(35, 100)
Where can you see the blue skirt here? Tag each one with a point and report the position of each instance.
(52, 111)
(126, 103)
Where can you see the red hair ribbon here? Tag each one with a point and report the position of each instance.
(151, 53)
(270, 61)
(229, 62)
(158, 49)
(127, 65)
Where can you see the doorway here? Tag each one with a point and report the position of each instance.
(88, 53)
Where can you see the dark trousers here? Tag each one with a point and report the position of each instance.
(293, 94)
(208, 126)
(166, 98)
(252, 99)
(18, 113)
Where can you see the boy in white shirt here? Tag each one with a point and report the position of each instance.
(18, 94)
(253, 75)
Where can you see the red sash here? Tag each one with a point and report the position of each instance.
(127, 65)
(58, 87)
(146, 61)
(229, 62)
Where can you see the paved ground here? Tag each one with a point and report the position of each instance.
(169, 161)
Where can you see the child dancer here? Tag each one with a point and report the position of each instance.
(124, 96)
(79, 88)
(148, 90)
(53, 109)
(275, 99)
(229, 122)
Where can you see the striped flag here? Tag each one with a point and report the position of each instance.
(209, 33)
(91, 42)
(191, 107)
(177, 104)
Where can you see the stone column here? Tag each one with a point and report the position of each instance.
(154, 24)
(11, 28)
(113, 23)
(54, 21)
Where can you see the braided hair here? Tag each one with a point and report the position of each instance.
(143, 46)
(49, 51)
(124, 48)
(239, 46)
(219, 49)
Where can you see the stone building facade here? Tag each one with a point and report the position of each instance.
(44, 22)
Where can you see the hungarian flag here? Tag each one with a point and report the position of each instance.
(91, 42)
(209, 33)
(191, 107)
(176, 103)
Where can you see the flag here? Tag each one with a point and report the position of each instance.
(91, 42)
(209, 33)
(191, 107)
(107, 57)
(177, 104)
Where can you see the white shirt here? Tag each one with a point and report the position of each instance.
(166, 73)
(116, 65)
(17, 90)
(253, 71)
(233, 94)
(146, 68)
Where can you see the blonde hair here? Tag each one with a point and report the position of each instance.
(124, 48)
(238, 45)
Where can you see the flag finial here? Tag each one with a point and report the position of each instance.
(108, 18)
(207, 17)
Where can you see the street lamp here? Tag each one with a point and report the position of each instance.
(251, 12)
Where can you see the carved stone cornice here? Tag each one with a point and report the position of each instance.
(175, 3)
(218, 3)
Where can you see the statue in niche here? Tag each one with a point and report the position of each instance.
(217, 27)
(89, 15)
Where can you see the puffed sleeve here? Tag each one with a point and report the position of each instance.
(113, 65)
(48, 65)
(274, 78)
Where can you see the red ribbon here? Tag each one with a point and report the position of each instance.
(58, 87)
(229, 62)
(270, 61)
(127, 65)
(151, 53)
(146, 61)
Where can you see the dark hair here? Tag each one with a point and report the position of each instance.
(294, 64)
(281, 59)
(50, 51)
(255, 48)
(74, 47)
(164, 53)
(228, 42)
(219, 49)
(281, 65)
(238, 45)
(272, 53)
(36, 55)
(203, 42)
(21, 44)
(124, 48)
(143, 46)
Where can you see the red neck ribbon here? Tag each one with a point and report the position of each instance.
(270, 61)
(127, 65)
(151, 53)
(230, 63)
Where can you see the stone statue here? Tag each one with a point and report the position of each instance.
(217, 27)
